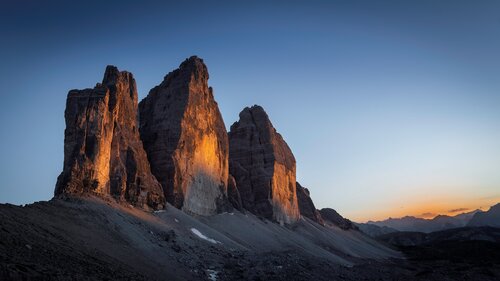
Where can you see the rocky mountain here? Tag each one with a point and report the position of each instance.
(103, 152)
(186, 140)
(263, 166)
(330, 216)
(177, 149)
(464, 218)
(488, 218)
(306, 205)
(414, 224)
(374, 230)
(406, 223)
(406, 238)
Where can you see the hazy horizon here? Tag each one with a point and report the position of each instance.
(390, 108)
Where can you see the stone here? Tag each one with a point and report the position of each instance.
(263, 166)
(306, 205)
(103, 152)
(331, 217)
(186, 140)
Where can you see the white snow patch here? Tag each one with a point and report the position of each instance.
(176, 220)
(159, 211)
(212, 274)
(199, 234)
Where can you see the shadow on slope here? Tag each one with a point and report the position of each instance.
(94, 239)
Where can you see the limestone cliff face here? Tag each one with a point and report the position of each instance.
(263, 166)
(103, 152)
(306, 205)
(186, 140)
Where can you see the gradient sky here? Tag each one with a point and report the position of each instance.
(390, 107)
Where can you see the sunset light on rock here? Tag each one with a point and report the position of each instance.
(250, 140)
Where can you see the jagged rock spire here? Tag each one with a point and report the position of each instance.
(103, 153)
(263, 166)
(186, 140)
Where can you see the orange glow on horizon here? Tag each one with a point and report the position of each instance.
(426, 208)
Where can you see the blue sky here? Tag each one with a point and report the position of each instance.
(388, 106)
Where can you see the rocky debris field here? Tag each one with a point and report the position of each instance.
(92, 238)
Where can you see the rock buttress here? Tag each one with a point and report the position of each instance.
(306, 205)
(186, 140)
(263, 166)
(103, 152)
(330, 216)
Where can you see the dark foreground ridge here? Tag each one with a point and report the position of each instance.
(89, 238)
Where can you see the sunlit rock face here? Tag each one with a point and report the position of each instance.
(306, 205)
(263, 166)
(186, 140)
(103, 152)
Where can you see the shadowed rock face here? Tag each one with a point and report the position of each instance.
(331, 216)
(186, 140)
(306, 205)
(103, 152)
(263, 166)
(488, 218)
(233, 194)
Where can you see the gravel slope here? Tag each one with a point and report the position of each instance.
(95, 239)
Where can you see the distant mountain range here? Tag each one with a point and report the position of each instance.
(489, 218)
(404, 238)
(438, 223)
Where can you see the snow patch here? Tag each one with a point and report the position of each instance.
(212, 274)
(176, 220)
(202, 236)
(159, 211)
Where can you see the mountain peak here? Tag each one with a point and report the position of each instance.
(112, 76)
(186, 140)
(103, 153)
(263, 166)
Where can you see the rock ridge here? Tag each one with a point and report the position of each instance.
(306, 205)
